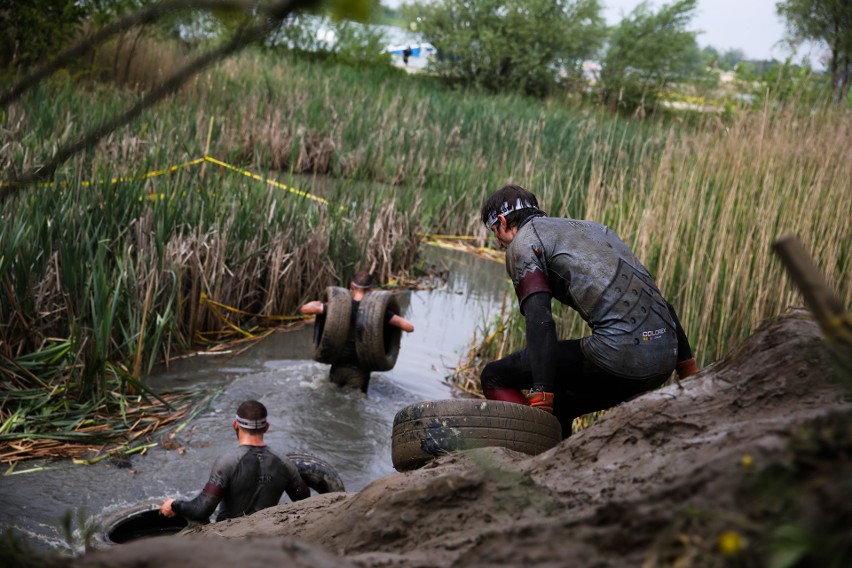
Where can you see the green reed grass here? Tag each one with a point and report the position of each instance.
(120, 270)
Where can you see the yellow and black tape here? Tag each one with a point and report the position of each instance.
(172, 169)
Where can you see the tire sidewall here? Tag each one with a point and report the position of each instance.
(317, 473)
(331, 328)
(377, 342)
(427, 430)
(111, 521)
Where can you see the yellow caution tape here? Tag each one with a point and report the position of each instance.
(172, 169)
(267, 181)
(206, 300)
(449, 237)
(237, 329)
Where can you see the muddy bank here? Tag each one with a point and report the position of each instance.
(661, 479)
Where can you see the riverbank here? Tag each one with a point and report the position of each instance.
(732, 467)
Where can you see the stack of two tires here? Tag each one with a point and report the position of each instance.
(428, 430)
(376, 341)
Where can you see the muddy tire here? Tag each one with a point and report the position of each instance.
(331, 329)
(137, 522)
(377, 342)
(427, 430)
(318, 474)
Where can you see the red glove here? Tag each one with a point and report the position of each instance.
(541, 400)
(686, 368)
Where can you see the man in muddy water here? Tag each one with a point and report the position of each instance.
(636, 341)
(246, 479)
(347, 371)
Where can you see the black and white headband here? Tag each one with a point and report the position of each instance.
(507, 208)
(250, 424)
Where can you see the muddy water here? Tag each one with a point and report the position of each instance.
(307, 414)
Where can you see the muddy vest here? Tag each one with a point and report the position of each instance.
(586, 266)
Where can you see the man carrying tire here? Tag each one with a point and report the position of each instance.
(348, 369)
(246, 479)
(636, 341)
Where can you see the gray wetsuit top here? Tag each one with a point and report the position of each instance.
(586, 266)
(245, 480)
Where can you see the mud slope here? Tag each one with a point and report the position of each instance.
(656, 482)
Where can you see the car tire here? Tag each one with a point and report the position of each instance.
(318, 474)
(377, 342)
(141, 521)
(428, 430)
(331, 328)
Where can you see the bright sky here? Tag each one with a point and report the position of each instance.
(748, 25)
(751, 26)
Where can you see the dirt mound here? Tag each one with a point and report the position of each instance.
(676, 476)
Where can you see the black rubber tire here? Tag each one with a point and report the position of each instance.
(317, 473)
(377, 342)
(427, 430)
(137, 522)
(331, 329)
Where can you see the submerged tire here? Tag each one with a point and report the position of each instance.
(135, 523)
(377, 342)
(317, 473)
(331, 329)
(427, 430)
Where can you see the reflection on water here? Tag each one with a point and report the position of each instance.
(307, 414)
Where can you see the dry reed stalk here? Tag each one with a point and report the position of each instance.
(146, 307)
(309, 271)
(719, 199)
(276, 258)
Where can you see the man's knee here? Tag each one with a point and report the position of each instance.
(351, 377)
(494, 387)
(489, 378)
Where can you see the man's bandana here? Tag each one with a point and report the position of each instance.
(507, 208)
(250, 424)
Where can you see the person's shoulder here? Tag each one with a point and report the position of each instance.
(231, 456)
(283, 460)
(577, 224)
(278, 455)
(238, 450)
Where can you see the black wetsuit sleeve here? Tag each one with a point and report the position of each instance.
(541, 340)
(299, 491)
(296, 487)
(200, 508)
(684, 351)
